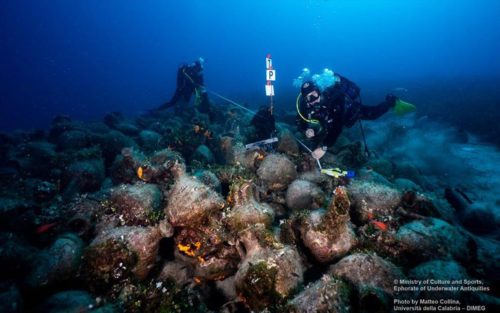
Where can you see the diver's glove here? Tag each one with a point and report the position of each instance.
(319, 152)
(391, 100)
(309, 133)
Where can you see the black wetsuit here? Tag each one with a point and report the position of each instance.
(189, 78)
(340, 106)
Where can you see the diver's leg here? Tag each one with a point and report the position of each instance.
(165, 106)
(176, 97)
(172, 101)
(374, 112)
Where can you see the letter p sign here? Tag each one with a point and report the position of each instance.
(271, 75)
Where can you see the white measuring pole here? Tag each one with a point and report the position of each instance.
(270, 77)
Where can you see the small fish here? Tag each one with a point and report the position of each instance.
(44, 228)
(140, 172)
(380, 225)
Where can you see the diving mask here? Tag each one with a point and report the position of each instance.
(312, 97)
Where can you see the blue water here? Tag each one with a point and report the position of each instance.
(86, 58)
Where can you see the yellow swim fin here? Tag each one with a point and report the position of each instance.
(401, 107)
(337, 172)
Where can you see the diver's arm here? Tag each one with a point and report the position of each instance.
(192, 78)
(199, 79)
(181, 76)
(319, 140)
(320, 147)
(333, 135)
(332, 125)
(301, 124)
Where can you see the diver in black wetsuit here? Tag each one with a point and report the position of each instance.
(322, 115)
(189, 82)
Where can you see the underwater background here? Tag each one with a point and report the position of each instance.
(108, 206)
(86, 58)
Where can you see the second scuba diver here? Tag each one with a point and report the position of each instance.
(189, 82)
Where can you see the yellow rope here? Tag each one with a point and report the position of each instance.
(312, 121)
(197, 100)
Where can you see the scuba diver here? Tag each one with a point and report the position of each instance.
(189, 82)
(322, 115)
